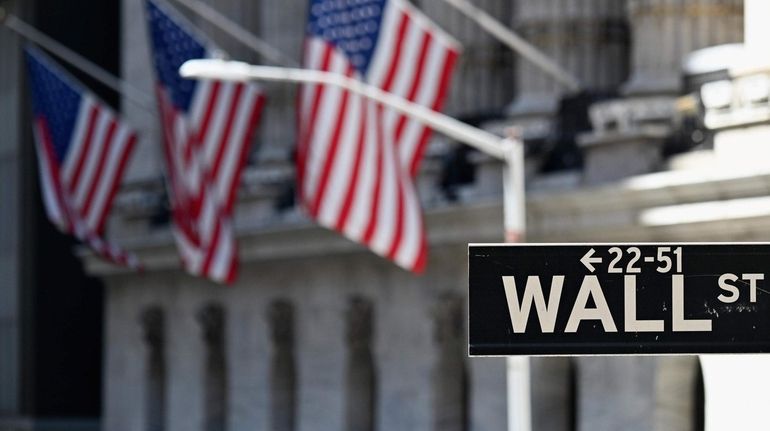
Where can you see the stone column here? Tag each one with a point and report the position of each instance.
(665, 31)
(212, 320)
(587, 37)
(552, 386)
(615, 393)
(153, 327)
(360, 384)
(449, 377)
(282, 364)
(676, 397)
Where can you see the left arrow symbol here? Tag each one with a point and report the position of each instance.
(588, 260)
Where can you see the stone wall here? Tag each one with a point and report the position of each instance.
(414, 327)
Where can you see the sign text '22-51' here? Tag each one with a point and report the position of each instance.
(618, 299)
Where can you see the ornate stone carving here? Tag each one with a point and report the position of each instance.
(629, 115)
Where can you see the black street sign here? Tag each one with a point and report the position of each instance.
(595, 299)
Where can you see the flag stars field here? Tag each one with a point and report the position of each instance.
(351, 26)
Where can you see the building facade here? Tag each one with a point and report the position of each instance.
(317, 333)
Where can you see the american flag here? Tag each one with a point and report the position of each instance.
(356, 159)
(208, 128)
(83, 150)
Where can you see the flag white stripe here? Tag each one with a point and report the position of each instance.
(386, 45)
(108, 177)
(208, 217)
(341, 172)
(55, 212)
(211, 141)
(67, 169)
(89, 174)
(363, 190)
(190, 253)
(199, 102)
(406, 65)
(387, 210)
(224, 253)
(313, 60)
(406, 68)
(328, 112)
(427, 93)
(411, 238)
(189, 172)
(232, 157)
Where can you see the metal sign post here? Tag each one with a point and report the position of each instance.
(515, 223)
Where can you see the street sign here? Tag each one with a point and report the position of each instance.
(594, 299)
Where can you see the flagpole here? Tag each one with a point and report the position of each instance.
(517, 43)
(237, 32)
(81, 63)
